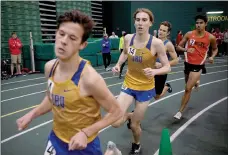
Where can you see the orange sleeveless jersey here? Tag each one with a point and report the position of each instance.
(200, 46)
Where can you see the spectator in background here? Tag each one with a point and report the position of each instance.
(212, 30)
(121, 45)
(113, 35)
(15, 46)
(210, 50)
(155, 33)
(178, 39)
(225, 41)
(218, 36)
(106, 52)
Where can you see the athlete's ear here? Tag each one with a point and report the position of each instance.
(83, 45)
(134, 24)
(206, 24)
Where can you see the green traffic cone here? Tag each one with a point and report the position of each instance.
(165, 145)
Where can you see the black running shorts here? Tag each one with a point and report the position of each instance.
(160, 83)
(194, 68)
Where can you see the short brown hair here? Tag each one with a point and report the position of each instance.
(76, 16)
(168, 24)
(151, 15)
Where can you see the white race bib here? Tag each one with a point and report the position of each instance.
(192, 42)
(50, 150)
(131, 51)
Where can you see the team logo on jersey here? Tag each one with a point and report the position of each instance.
(192, 42)
(58, 100)
(131, 51)
(137, 59)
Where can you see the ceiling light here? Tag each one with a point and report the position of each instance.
(215, 12)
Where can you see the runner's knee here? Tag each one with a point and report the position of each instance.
(188, 89)
(135, 125)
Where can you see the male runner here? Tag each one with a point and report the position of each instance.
(141, 50)
(160, 86)
(198, 42)
(75, 93)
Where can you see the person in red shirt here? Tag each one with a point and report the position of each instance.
(15, 46)
(178, 39)
(197, 44)
(218, 35)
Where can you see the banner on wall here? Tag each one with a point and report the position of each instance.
(217, 18)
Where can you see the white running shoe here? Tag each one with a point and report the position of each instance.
(178, 115)
(112, 149)
(108, 69)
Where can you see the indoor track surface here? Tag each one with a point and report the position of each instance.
(202, 131)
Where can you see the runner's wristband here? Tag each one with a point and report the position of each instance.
(85, 133)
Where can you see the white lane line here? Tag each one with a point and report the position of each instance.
(42, 84)
(28, 130)
(121, 83)
(206, 65)
(32, 85)
(47, 122)
(180, 63)
(108, 86)
(167, 81)
(23, 132)
(23, 96)
(39, 78)
(103, 78)
(23, 80)
(183, 127)
(201, 75)
(216, 66)
(34, 79)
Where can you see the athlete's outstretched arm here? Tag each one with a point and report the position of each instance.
(96, 87)
(172, 53)
(213, 45)
(161, 53)
(44, 107)
(182, 43)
